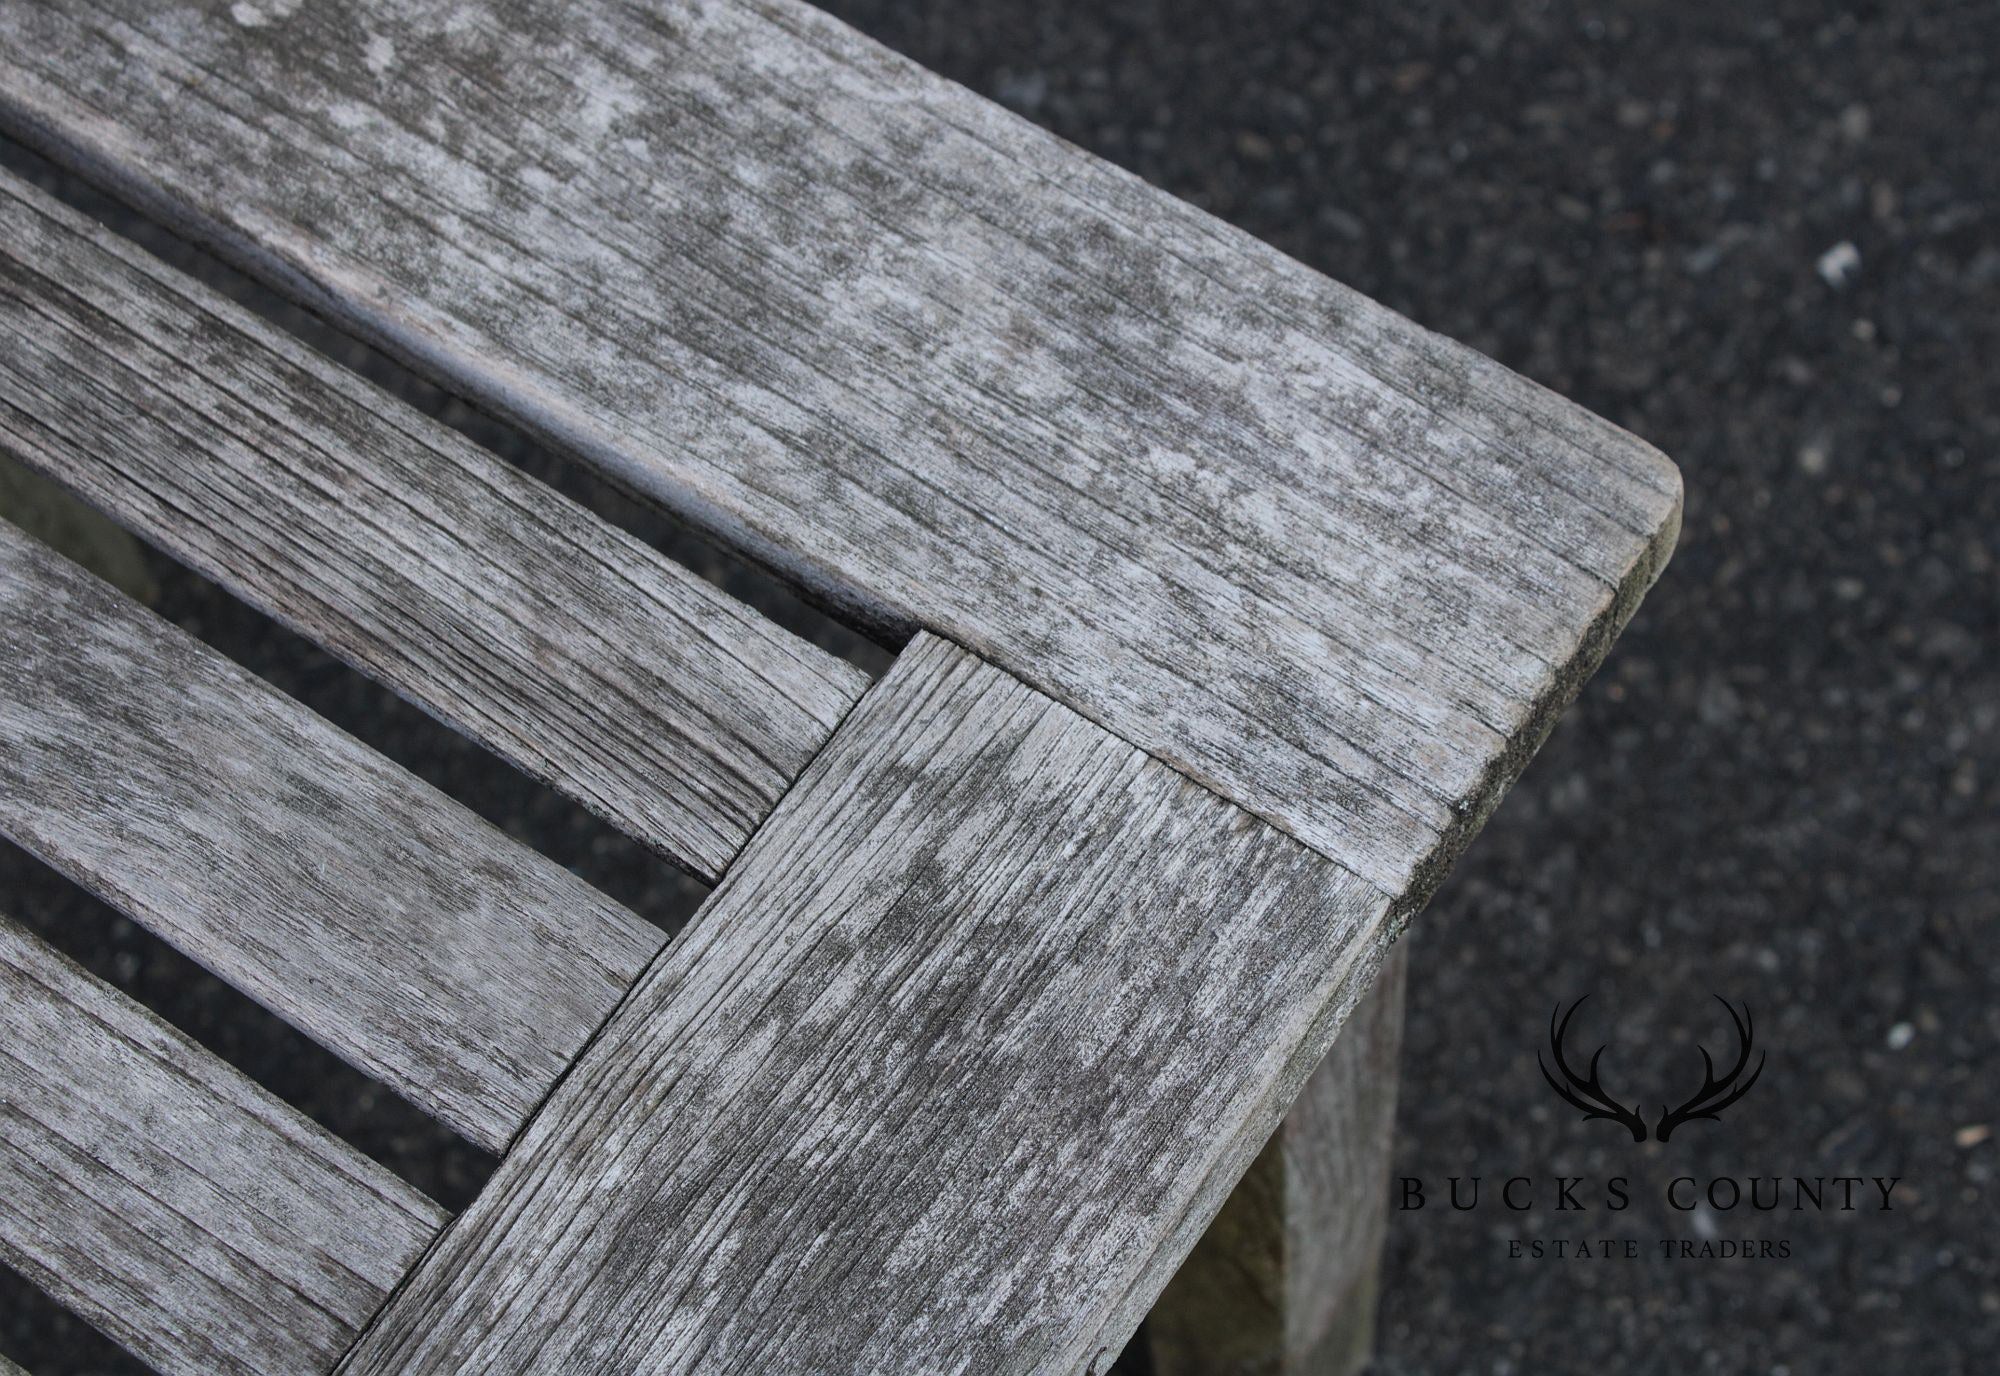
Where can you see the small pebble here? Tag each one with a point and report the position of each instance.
(1839, 263)
(1255, 147)
(1972, 1134)
(1704, 1221)
(1901, 1035)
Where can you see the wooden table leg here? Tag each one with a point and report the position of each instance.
(1283, 1283)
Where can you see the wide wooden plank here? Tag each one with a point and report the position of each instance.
(942, 367)
(376, 914)
(578, 653)
(204, 1224)
(943, 1078)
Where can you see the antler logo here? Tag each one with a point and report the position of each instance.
(1588, 1092)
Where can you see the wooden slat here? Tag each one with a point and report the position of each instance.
(943, 1078)
(1283, 1283)
(349, 897)
(204, 1224)
(8, 1368)
(575, 651)
(938, 364)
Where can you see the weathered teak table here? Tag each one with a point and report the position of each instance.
(1231, 604)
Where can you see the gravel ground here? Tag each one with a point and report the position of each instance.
(1764, 238)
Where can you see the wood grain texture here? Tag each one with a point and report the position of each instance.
(1283, 1283)
(575, 651)
(376, 914)
(935, 363)
(945, 1077)
(204, 1224)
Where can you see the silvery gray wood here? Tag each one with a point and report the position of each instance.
(945, 1076)
(1283, 1283)
(354, 900)
(8, 1368)
(935, 363)
(202, 1223)
(575, 651)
